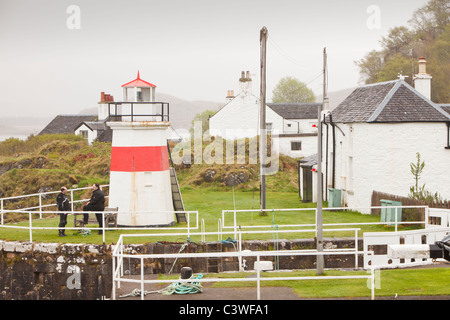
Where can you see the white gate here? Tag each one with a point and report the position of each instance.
(379, 242)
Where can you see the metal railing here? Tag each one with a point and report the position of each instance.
(138, 111)
(235, 225)
(41, 196)
(104, 228)
(119, 255)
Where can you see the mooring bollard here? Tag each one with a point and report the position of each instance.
(186, 272)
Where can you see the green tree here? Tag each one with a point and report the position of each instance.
(399, 40)
(204, 118)
(438, 66)
(291, 90)
(429, 37)
(396, 65)
(370, 66)
(431, 19)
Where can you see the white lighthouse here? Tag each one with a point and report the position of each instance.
(140, 184)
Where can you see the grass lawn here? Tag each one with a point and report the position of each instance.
(209, 205)
(403, 282)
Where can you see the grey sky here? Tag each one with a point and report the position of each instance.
(192, 49)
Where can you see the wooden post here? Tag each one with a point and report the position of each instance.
(319, 219)
(262, 119)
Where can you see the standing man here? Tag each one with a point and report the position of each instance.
(96, 203)
(63, 204)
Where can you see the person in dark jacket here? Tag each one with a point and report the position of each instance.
(96, 203)
(63, 204)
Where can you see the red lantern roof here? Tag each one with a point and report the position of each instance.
(138, 82)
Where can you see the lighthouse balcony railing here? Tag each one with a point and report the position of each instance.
(138, 111)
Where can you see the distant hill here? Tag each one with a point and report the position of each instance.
(21, 127)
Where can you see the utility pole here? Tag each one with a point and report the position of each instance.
(319, 218)
(262, 119)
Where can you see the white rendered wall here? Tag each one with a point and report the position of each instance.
(92, 134)
(240, 119)
(309, 146)
(299, 126)
(378, 157)
(103, 111)
(422, 83)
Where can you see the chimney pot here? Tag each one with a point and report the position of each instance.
(422, 65)
(102, 96)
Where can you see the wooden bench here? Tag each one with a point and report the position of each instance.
(110, 218)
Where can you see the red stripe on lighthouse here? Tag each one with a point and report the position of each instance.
(133, 159)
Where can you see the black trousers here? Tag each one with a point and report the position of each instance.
(99, 216)
(62, 221)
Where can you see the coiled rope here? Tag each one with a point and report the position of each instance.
(176, 287)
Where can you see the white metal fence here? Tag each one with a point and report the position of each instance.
(41, 209)
(119, 256)
(189, 227)
(235, 225)
(42, 196)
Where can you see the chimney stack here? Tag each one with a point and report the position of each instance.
(245, 83)
(230, 95)
(422, 80)
(103, 111)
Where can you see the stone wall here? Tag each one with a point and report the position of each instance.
(52, 271)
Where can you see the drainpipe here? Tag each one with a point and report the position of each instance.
(448, 135)
(326, 160)
(334, 152)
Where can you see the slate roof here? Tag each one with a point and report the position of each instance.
(106, 135)
(94, 125)
(69, 123)
(445, 107)
(66, 123)
(295, 110)
(384, 102)
(308, 161)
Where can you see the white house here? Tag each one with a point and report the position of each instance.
(373, 137)
(91, 130)
(293, 126)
